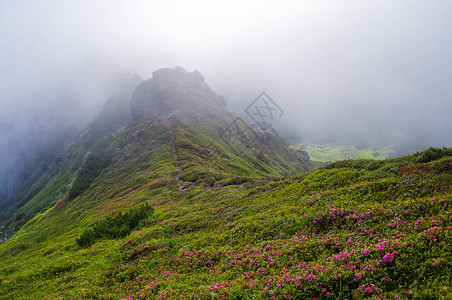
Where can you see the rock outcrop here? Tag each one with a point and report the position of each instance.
(264, 130)
(303, 154)
(175, 92)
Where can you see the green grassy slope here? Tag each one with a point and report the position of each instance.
(352, 229)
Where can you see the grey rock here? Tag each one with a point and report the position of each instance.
(303, 154)
(263, 130)
(136, 135)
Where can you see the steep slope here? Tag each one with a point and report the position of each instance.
(37, 153)
(32, 171)
(51, 173)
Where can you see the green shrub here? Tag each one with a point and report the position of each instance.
(236, 180)
(442, 166)
(432, 154)
(115, 227)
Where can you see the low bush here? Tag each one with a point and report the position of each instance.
(432, 154)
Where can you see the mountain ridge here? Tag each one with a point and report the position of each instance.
(172, 96)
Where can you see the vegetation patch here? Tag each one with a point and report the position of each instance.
(115, 227)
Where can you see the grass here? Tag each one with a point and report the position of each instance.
(235, 227)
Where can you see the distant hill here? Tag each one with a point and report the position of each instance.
(324, 153)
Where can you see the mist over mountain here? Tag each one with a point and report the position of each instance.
(39, 123)
(349, 72)
(372, 72)
(225, 149)
(65, 159)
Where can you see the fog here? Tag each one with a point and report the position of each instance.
(342, 71)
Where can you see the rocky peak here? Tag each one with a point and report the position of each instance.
(172, 90)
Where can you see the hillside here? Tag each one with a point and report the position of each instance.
(358, 228)
(172, 96)
(169, 207)
(48, 175)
